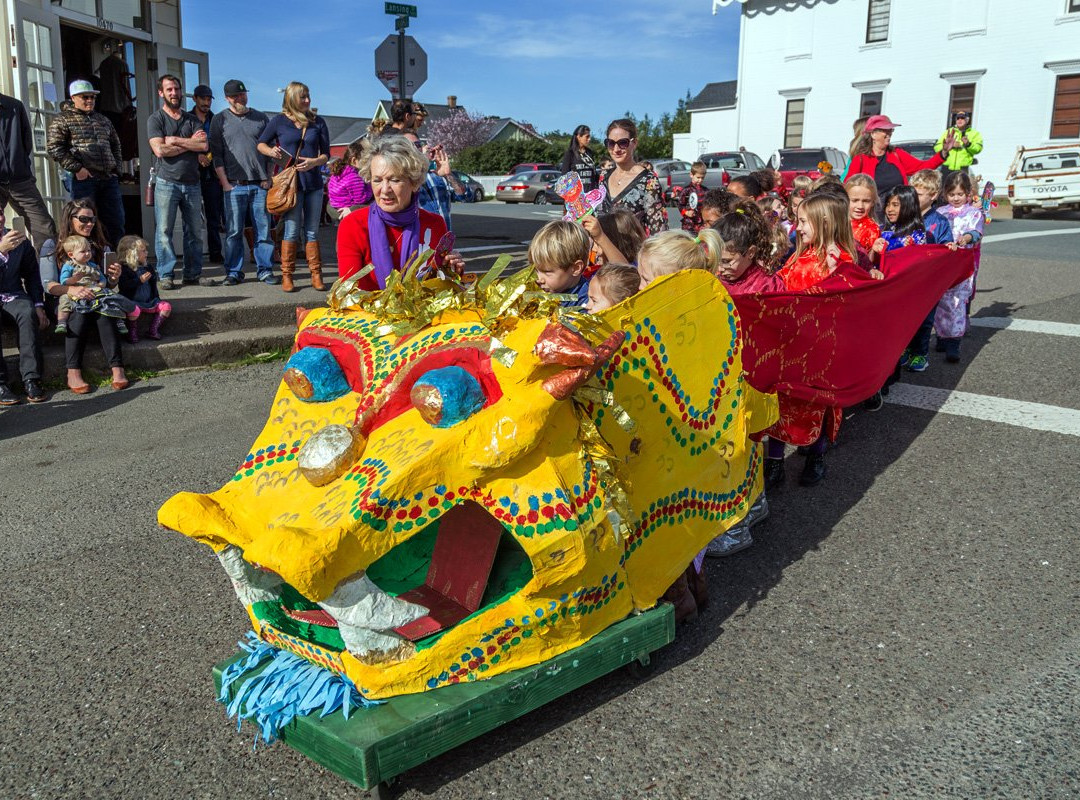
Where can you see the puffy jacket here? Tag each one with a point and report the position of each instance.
(78, 139)
(961, 156)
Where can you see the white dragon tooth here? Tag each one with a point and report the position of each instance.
(366, 614)
(251, 585)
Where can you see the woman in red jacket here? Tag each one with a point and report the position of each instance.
(393, 229)
(887, 165)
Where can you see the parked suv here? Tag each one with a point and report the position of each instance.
(720, 168)
(1045, 178)
(794, 161)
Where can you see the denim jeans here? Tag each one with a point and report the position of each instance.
(310, 204)
(242, 203)
(168, 197)
(105, 192)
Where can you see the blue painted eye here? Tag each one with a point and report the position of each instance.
(314, 376)
(446, 396)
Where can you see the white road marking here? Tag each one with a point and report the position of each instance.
(1029, 325)
(1005, 237)
(1035, 416)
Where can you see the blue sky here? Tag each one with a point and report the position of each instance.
(553, 63)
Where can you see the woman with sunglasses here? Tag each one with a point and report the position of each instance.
(79, 217)
(579, 158)
(629, 185)
(890, 166)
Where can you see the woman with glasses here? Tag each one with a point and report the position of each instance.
(79, 217)
(579, 158)
(889, 166)
(629, 185)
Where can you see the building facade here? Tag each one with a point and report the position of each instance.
(809, 68)
(53, 42)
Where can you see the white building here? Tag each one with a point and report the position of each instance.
(808, 68)
(53, 42)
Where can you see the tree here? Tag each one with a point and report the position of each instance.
(461, 129)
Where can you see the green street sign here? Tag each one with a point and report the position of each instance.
(400, 9)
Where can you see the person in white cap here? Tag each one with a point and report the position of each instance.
(84, 142)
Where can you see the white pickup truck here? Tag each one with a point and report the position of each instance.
(1045, 178)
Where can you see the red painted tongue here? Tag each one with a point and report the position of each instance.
(313, 616)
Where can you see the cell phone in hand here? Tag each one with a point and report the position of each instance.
(19, 224)
(111, 258)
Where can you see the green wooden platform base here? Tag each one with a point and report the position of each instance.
(379, 743)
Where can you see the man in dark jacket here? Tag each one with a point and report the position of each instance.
(85, 143)
(17, 184)
(213, 195)
(21, 301)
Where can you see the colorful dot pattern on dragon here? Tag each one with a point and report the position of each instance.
(426, 555)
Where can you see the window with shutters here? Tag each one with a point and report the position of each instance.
(877, 21)
(870, 104)
(961, 98)
(793, 123)
(1065, 121)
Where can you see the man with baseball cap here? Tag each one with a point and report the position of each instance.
(213, 199)
(970, 144)
(84, 142)
(244, 176)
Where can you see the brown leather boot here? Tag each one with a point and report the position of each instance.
(314, 262)
(288, 264)
(680, 596)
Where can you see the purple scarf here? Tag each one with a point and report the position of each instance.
(378, 220)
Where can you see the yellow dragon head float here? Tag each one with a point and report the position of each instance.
(454, 483)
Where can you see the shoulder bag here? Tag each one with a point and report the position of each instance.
(282, 194)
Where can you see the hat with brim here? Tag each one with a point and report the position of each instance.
(75, 88)
(234, 87)
(879, 122)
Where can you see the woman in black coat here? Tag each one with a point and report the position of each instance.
(579, 158)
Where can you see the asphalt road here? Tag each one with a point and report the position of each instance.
(907, 629)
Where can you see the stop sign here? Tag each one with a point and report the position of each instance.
(386, 65)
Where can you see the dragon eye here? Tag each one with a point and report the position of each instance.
(314, 376)
(447, 396)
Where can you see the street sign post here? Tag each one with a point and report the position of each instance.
(401, 23)
(392, 61)
(400, 9)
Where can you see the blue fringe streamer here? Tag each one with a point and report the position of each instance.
(287, 688)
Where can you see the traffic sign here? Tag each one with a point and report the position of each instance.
(401, 23)
(387, 66)
(400, 9)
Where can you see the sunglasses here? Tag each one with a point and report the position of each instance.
(617, 144)
(86, 220)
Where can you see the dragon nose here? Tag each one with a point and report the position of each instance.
(329, 453)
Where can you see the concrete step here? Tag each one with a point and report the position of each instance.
(183, 351)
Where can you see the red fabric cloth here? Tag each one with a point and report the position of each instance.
(354, 248)
(755, 279)
(901, 159)
(836, 342)
(804, 270)
(866, 232)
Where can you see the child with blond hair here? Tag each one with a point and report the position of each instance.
(559, 253)
(138, 283)
(80, 270)
(611, 284)
(673, 251)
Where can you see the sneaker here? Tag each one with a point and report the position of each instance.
(61, 328)
(774, 472)
(34, 392)
(874, 402)
(7, 397)
(758, 511)
(234, 280)
(270, 279)
(168, 284)
(918, 364)
(905, 358)
(736, 539)
(198, 282)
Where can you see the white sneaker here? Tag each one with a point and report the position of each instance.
(758, 511)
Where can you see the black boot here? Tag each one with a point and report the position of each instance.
(813, 471)
(774, 472)
(952, 351)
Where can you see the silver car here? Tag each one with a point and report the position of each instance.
(526, 187)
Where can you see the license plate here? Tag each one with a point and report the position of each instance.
(1051, 204)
